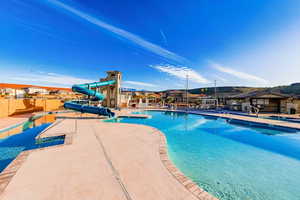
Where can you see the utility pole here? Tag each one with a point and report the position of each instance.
(216, 93)
(89, 101)
(186, 91)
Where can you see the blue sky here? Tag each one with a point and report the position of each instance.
(154, 43)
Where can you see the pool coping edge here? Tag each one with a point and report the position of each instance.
(190, 185)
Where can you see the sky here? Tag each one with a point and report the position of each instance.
(155, 44)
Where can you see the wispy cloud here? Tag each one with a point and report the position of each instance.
(164, 53)
(181, 72)
(49, 79)
(219, 78)
(238, 74)
(137, 83)
(163, 37)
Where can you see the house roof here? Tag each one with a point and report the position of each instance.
(296, 96)
(34, 87)
(21, 86)
(154, 95)
(260, 94)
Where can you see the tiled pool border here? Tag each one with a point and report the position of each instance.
(191, 186)
(247, 122)
(215, 115)
(13, 126)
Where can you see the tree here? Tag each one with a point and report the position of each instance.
(170, 99)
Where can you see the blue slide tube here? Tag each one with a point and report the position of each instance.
(86, 89)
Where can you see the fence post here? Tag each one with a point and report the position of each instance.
(8, 107)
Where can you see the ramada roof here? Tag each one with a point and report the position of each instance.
(260, 94)
(176, 91)
(197, 95)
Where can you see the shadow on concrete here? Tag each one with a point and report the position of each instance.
(30, 107)
(63, 117)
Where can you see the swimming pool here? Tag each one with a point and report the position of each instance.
(20, 138)
(231, 160)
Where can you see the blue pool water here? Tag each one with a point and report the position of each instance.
(12, 145)
(232, 161)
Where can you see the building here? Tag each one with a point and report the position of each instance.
(126, 97)
(265, 101)
(172, 96)
(140, 98)
(22, 90)
(112, 92)
(181, 98)
(292, 105)
(10, 92)
(61, 92)
(36, 90)
(208, 103)
(194, 98)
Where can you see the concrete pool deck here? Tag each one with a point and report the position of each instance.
(110, 161)
(7, 122)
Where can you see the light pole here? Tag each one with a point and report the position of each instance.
(216, 99)
(186, 90)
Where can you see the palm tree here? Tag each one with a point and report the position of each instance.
(170, 99)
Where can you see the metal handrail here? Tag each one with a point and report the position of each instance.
(256, 109)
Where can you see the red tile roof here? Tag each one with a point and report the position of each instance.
(20, 86)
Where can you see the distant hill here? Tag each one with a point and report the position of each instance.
(128, 89)
(223, 91)
(293, 89)
(133, 90)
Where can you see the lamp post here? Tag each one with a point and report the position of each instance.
(186, 91)
(216, 99)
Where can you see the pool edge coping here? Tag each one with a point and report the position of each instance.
(179, 176)
(228, 117)
(185, 181)
(7, 128)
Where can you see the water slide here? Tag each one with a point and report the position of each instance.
(86, 89)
